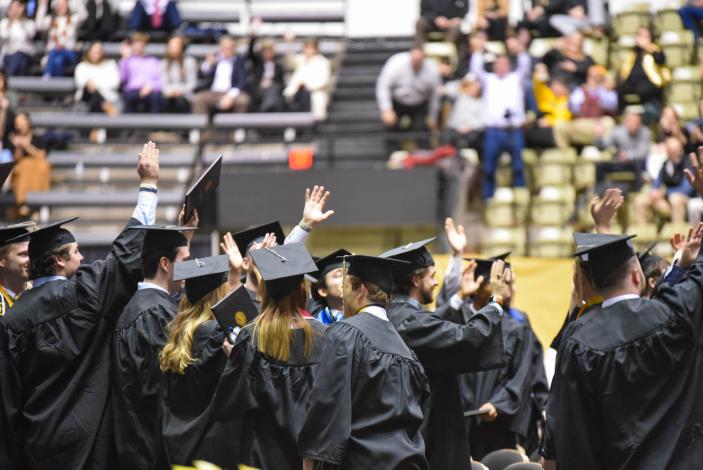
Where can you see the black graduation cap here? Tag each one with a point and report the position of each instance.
(46, 239)
(483, 266)
(601, 254)
(245, 238)
(415, 253)
(203, 188)
(282, 267)
(647, 253)
(331, 262)
(162, 238)
(235, 310)
(14, 233)
(379, 271)
(202, 275)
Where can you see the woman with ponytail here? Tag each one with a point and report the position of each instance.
(270, 370)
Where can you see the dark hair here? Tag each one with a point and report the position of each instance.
(3, 79)
(403, 282)
(152, 258)
(615, 278)
(46, 265)
(653, 267)
(375, 294)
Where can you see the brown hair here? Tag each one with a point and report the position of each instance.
(180, 58)
(375, 294)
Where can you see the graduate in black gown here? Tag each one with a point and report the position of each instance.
(370, 391)
(269, 375)
(447, 345)
(631, 376)
(14, 264)
(192, 362)
(139, 336)
(59, 336)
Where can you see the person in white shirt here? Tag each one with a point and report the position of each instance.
(16, 34)
(97, 81)
(503, 111)
(61, 26)
(308, 86)
(179, 76)
(226, 74)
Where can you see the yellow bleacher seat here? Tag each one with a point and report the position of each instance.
(669, 229)
(686, 111)
(555, 167)
(500, 240)
(678, 47)
(646, 235)
(597, 49)
(540, 46)
(551, 242)
(685, 85)
(553, 205)
(584, 175)
(441, 50)
(627, 22)
(668, 20)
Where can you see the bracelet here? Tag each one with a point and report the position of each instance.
(148, 188)
(305, 226)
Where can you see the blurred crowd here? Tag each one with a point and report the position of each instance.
(487, 92)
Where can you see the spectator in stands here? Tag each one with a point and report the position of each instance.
(62, 34)
(443, 16)
(503, 111)
(265, 82)
(179, 76)
(577, 15)
(552, 96)
(695, 128)
(670, 126)
(140, 75)
(630, 141)
(101, 21)
(408, 87)
(226, 76)
(7, 120)
(16, 34)
(154, 15)
(643, 76)
(465, 122)
(32, 170)
(98, 81)
(307, 88)
(591, 105)
(671, 190)
(691, 16)
(568, 61)
(492, 17)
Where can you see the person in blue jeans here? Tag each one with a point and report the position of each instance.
(154, 15)
(691, 15)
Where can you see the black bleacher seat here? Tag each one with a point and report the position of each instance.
(123, 121)
(65, 159)
(262, 120)
(98, 199)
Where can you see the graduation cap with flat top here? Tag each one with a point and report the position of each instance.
(379, 271)
(203, 188)
(245, 238)
(15, 232)
(44, 240)
(601, 254)
(202, 275)
(282, 267)
(331, 262)
(160, 238)
(414, 253)
(235, 310)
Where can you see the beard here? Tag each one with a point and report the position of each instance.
(426, 296)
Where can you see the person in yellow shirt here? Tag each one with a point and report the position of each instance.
(552, 97)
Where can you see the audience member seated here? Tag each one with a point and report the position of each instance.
(503, 111)
(98, 81)
(226, 80)
(154, 15)
(61, 27)
(630, 142)
(179, 76)
(307, 88)
(643, 76)
(7, 121)
(443, 16)
(570, 16)
(695, 128)
(32, 170)
(465, 122)
(592, 106)
(265, 82)
(140, 76)
(408, 89)
(492, 17)
(552, 96)
(101, 21)
(670, 126)
(16, 35)
(670, 191)
(691, 16)
(568, 60)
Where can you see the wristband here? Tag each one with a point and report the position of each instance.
(305, 226)
(148, 188)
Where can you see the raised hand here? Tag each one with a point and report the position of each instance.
(692, 247)
(469, 283)
(230, 249)
(678, 241)
(193, 222)
(148, 166)
(498, 280)
(603, 210)
(455, 236)
(314, 209)
(695, 175)
(269, 241)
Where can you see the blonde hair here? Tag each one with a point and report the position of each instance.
(272, 332)
(177, 353)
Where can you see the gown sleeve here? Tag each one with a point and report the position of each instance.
(150, 333)
(11, 441)
(327, 425)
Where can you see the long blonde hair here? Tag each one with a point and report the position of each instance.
(177, 353)
(272, 332)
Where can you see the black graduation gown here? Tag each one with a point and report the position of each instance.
(189, 428)
(140, 334)
(270, 397)
(508, 388)
(631, 379)
(445, 349)
(368, 399)
(11, 456)
(59, 342)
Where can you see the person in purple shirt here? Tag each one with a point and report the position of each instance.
(140, 76)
